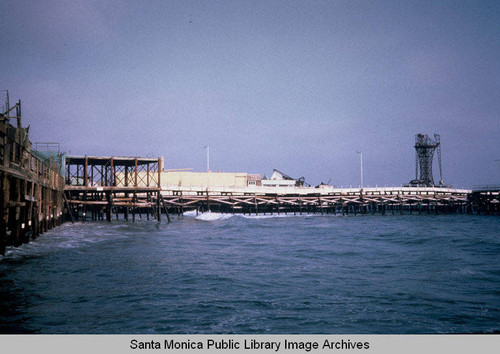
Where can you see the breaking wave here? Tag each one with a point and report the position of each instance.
(212, 216)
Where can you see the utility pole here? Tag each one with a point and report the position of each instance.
(208, 166)
(361, 166)
(208, 158)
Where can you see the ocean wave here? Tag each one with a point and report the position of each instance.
(66, 236)
(270, 216)
(213, 216)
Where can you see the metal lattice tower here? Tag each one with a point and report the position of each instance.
(424, 149)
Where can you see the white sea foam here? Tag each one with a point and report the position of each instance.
(266, 216)
(190, 213)
(212, 216)
(209, 216)
(29, 249)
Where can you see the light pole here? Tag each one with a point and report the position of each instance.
(361, 166)
(208, 158)
(208, 167)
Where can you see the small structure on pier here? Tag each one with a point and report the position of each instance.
(101, 186)
(279, 179)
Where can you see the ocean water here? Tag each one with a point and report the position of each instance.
(215, 273)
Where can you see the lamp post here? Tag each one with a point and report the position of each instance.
(208, 168)
(208, 158)
(361, 166)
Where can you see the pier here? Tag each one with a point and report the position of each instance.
(107, 188)
(131, 187)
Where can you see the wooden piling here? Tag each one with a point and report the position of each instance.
(4, 208)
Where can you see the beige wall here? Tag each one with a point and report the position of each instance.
(187, 178)
(201, 178)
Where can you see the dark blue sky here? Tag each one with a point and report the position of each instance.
(293, 85)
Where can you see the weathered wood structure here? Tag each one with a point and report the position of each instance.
(99, 187)
(31, 183)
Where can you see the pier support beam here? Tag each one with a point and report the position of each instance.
(158, 210)
(109, 206)
(4, 201)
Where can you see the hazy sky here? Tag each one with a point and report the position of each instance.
(293, 85)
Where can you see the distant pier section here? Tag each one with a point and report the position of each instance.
(99, 188)
(485, 199)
